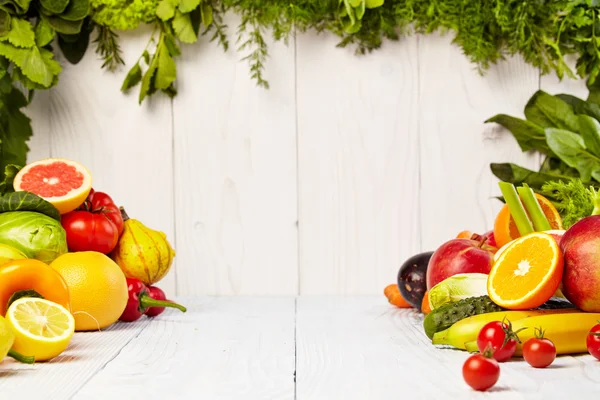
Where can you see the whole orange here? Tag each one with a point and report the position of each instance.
(97, 286)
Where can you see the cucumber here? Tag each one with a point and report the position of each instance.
(445, 316)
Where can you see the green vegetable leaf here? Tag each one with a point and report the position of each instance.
(581, 106)
(15, 130)
(573, 200)
(360, 10)
(374, 3)
(75, 46)
(44, 33)
(55, 6)
(25, 201)
(20, 34)
(529, 135)
(134, 76)
(35, 63)
(167, 70)
(207, 16)
(182, 25)
(570, 148)
(77, 10)
(186, 6)
(4, 22)
(166, 9)
(590, 132)
(63, 26)
(355, 3)
(10, 171)
(551, 112)
(512, 173)
(148, 87)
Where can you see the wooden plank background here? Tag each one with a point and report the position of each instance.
(323, 184)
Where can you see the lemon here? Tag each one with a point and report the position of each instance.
(43, 329)
(97, 286)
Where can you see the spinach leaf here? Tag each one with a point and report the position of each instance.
(550, 111)
(555, 166)
(26, 201)
(590, 132)
(512, 173)
(570, 148)
(529, 135)
(581, 106)
(10, 171)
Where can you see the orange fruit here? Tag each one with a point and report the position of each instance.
(527, 273)
(63, 183)
(464, 235)
(98, 288)
(505, 228)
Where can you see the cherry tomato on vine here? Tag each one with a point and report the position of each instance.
(593, 341)
(500, 337)
(539, 352)
(481, 371)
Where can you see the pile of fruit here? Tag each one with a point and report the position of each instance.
(528, 288)
(71, 260)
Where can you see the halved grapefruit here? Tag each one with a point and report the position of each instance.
(64, 183)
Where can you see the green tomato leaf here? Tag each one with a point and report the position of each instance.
(10, 171)
(186, 6)
(35, 63)
(55, 6)
(590, 132)
(134, 76)
(529, 135)
(26, 201)
(551, 112)
(166, 9)
(374, 3)
(4, 22)
(570, 148)
(63, 26)
(44, 33)
(207, 16)
(77, 10)
(182, 25)
(20, 34)
(167, 70)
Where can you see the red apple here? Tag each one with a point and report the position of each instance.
(581, 278)
(459, 256)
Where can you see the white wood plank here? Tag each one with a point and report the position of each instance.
(363, 348)
(457, 186)
(358, 164)
(41, 119)
(222, 348)
(573, 86)
(127, 147)
(61, 377)
(235, 173)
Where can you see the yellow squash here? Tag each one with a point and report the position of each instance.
(143, 253)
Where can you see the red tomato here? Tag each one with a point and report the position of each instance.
(500, 337)
(95, 226)
(539, 352)
(593, 341)
(481, 372)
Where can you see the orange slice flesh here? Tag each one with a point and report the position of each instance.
(527, 273)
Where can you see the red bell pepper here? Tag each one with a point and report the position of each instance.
(140, 301)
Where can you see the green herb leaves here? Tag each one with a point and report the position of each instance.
(25, 201)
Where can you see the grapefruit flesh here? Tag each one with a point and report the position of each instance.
(64, 183)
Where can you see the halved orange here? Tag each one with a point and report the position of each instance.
(527, 273)
(64, 183)
(505, 228)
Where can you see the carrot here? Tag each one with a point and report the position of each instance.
(425, 308)
(394, 297)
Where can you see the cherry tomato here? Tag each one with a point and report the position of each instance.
(593, 341)
(88, 231)
(500, 338)
(481, 372)
(539, 352)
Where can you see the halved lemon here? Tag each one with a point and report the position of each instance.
(527, 273)
(43, 329)
(64, 183)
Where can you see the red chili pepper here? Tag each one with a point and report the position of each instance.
(140, 301)
(157, 294)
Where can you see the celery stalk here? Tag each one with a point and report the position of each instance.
(516, 208)
(540, 222)
(596, 202)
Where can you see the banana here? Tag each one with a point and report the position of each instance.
(466, 330)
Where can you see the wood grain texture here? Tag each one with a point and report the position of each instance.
(126, 147)
(41, 122)
(456, 147)
(222, 348)
(235, 173)
(61, 377)
(358, 164)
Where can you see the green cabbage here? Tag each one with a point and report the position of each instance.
(458, 287)
(36, 235)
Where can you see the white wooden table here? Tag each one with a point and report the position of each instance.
(247, 348)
